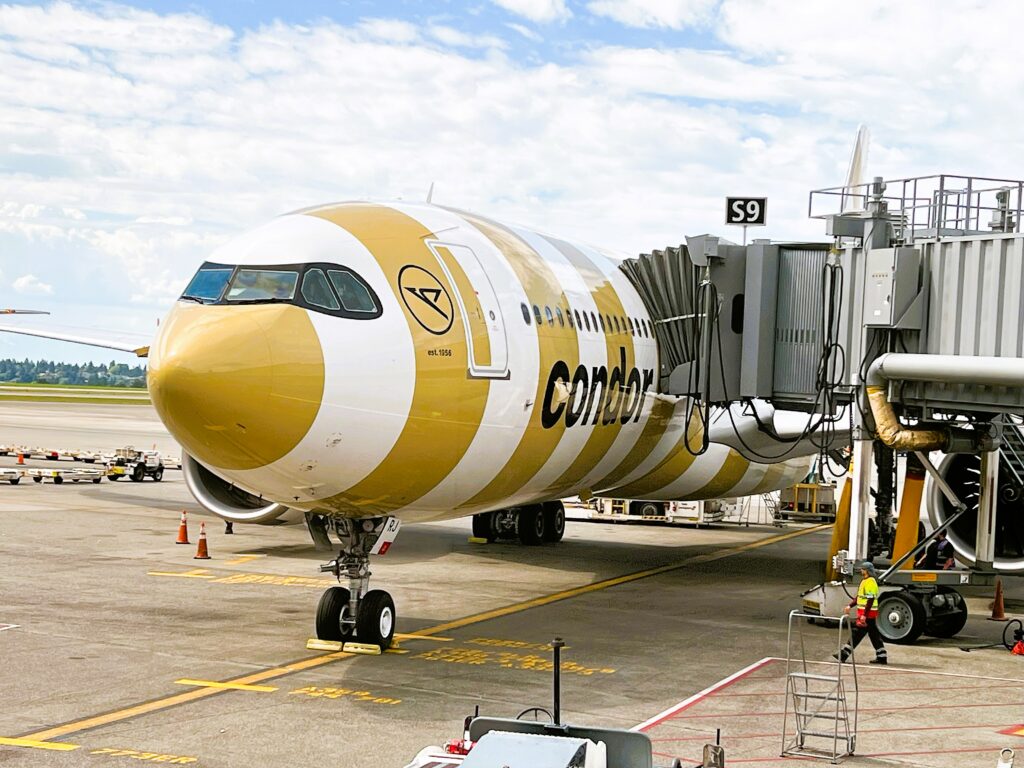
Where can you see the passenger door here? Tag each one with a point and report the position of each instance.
(479, 308)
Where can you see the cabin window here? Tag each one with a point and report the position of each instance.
(526, 313)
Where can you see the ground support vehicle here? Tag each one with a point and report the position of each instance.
(696, 513)
(538, 737)
(58, 476)
(136, 465)
(12, 476)
(808, 501)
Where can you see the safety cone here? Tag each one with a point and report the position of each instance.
(183, 530)
(998, 611)
(21, 458)
(202, 553)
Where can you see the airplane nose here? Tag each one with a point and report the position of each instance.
(237, 386)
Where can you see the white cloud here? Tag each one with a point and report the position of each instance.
(541, 11)
(456, 39)
(674, 14)
(133, 143)
(526, 32)
(30, 285)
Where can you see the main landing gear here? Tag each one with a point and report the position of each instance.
(357, 612)
(532, 524)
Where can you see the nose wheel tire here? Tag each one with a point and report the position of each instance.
(330, 611)
(375, 623)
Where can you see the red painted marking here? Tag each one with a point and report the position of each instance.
(727, 737)
(384, 548)
(925, 689)
(776, 758)
(699, 697)
(1014, 730)
(868, 709)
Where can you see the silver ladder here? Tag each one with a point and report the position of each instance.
(819, 703)
(1013, 452)
(770, 500)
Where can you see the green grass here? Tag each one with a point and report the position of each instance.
(88, 400)
(45, 385)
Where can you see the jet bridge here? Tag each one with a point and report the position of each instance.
(909, 311)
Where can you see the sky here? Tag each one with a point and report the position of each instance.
(134, 139)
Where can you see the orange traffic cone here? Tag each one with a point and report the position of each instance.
(182, 530)
(21, 458)
(998, 611)
(202, 553)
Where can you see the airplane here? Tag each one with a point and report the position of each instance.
(364, 365)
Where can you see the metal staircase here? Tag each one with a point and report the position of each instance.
(1013, 453)
(825, 723)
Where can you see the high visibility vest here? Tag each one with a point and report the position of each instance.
(868, 589)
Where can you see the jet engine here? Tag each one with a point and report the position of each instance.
(963, 473)
(227, 500)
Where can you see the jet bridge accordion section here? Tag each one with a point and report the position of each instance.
(763, 339)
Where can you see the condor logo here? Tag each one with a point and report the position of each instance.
(595, 396)
(427, 299)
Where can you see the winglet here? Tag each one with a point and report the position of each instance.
(430, 193)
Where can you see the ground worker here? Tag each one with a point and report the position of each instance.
(867, 616)
(938, 555)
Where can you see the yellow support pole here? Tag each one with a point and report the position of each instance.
(841, 529)
(910, 511)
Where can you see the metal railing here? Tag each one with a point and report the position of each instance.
(928, 207)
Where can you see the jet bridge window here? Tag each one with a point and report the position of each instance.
(262, 285)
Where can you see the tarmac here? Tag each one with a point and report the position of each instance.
(118, 646)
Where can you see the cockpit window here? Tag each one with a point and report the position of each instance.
(208, 284)
(330, 289)
(263, 285)
(353, 293)
(316, 291)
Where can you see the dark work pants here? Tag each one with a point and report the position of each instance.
(872, 632)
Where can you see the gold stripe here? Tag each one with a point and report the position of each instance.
(317, 661)
(654, 428)
(447, 406)
(237, 386)
(226, 686)
(672, 467)
(725, 479)
(555, 343)
(602, 435)
(772, 477)
(33, 744)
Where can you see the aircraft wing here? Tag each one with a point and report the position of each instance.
(136, 343)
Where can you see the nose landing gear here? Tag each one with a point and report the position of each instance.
(356, 611)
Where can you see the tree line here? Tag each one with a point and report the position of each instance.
(51, 372)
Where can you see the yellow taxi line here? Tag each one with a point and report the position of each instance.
(34, 744)
(226, 686)
(328, 658)
(606, 583)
